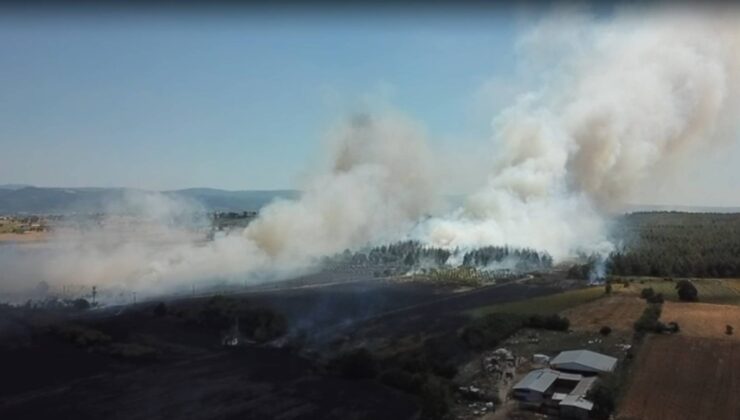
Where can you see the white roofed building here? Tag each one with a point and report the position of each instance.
(583, 361)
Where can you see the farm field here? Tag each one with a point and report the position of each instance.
(703, 319)
(544, 305)
(678, 377)
(617, 311)
(721, 291)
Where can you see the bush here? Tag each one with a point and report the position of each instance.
(647, 293)
(435, 399)
(403, 380)
(130, 351)
(491, 329)
(655, 298)
(357, 364)
(728, 329)
(603, 395)
(687, 291)
(80, 304)
(81, 336)
(160, 309)
(553, 322)
(605, 330)
(648, 321)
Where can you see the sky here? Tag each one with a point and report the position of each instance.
(243, 99)
(237, 102)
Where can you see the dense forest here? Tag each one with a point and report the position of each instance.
(677, 244)
(414, 254)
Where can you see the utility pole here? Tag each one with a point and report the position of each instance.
(94, 294)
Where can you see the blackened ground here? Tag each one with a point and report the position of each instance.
(43, 375)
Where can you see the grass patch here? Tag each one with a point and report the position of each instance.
(545, 305)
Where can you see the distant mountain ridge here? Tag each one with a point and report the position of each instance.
(17, 199)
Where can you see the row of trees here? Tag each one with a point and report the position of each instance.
(416, 254)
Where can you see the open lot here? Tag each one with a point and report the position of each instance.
(703, 319)
(617, 311)
(678, 377)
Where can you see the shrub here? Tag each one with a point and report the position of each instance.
(655, 298)
(728, 329)
(357, 364)
(648, 321)
(435, 399)
(491, 329)
(605, 330)
(131, 351)
(160, 309)
(647, 293)
(603, 395)
(81, 336)
(550, 322)
(687, 291)
(80, 304)
(403, 380)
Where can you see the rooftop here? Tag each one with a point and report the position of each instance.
(586, 358)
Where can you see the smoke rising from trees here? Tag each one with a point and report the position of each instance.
(615, 99)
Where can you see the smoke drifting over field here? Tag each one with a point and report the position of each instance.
(614, 100)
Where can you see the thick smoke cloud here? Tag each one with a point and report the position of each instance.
(615, 99)
(380, 181)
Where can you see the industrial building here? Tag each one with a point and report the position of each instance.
(561, 389)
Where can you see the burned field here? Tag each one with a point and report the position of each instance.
(168, 360)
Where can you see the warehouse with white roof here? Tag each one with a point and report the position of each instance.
(583, 361)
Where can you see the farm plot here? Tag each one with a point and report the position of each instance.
(721, 291)
(618, 312)
(703, 319)
(679, 377)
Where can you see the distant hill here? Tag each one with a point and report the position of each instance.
(36, 200)
(682, 209)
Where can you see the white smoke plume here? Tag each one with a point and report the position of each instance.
(618, 97)
(377, 183)
(380, 181)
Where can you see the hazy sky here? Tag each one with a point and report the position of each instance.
(228, 101)
(242, 99)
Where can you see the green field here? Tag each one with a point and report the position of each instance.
(544, 305)
(720, 291)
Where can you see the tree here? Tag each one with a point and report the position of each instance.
(608, 288)
(603, 396)
(81, 304)
(160, 310)
(647, 293)
(687, 291)
(357, 364)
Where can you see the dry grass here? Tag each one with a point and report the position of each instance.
(703, 319)
(23, 237)
(678, 377)
(618, 312)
